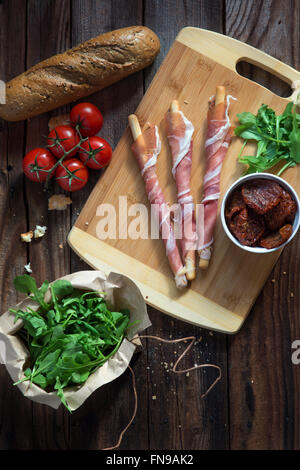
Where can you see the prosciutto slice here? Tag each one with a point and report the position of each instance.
(146, 148)
(218, 138)
(179, 133)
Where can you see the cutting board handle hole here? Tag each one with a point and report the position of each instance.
(264, 78)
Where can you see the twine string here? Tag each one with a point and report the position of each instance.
(133, 414)
(174, 369)
(198, 366)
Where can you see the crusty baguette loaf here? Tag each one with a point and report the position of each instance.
(79, 72)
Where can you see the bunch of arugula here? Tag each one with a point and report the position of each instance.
(277, 137)
(69, 337)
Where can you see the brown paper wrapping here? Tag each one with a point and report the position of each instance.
(121, 293)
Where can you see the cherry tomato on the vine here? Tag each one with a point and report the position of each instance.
(96, 152)
(87, 117)
(62, 139)
(72, 175)
(36, 164)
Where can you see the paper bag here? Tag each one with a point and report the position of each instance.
(121, 293)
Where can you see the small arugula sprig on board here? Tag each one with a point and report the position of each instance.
(277, 136)
(69, 337)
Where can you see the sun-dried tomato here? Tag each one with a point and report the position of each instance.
(235, 204)
(278, 238)
(261, 195)
(247, 227)
(282, 213)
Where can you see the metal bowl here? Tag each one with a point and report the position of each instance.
(255, 176)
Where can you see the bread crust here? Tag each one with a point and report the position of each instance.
(79, 72)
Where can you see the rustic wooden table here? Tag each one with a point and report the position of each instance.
(256, 405)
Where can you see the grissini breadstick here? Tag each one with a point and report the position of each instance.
(218, 138)
(146, 147)
(179, 133)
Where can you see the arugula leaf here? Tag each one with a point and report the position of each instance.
(44, 287)
(27, 285)
(58, 386)
(40, 380)
(61, 288)
(122, 327)
(277, 137)
(35, 326)
(247, 118)
(69, 337)
(248, 132)
(295, 140)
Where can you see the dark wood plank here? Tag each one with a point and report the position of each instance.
(13, 221)
(114, 402)
(263, 382)
(276, 31)
(264, 396)
(178, 417)
(48, 33)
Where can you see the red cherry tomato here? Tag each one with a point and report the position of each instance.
(72, 176)
(88, 117)
(36, 163)
(96, 154)
(62, 139)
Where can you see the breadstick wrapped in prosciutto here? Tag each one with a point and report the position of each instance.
(146, 148)
(218, 138)
(179, 133)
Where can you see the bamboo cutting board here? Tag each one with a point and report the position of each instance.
(221, 297)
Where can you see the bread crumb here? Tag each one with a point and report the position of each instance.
(39, 231)
(273, 280)
(27, 236)
(58, 202)
(292, 294)
(60, 245)
(153, 397)
(186, 102)
(28, 268)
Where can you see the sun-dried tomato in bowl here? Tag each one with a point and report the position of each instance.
(260, 212)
